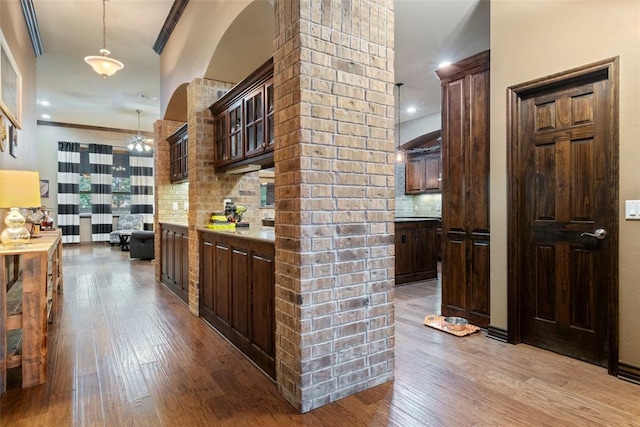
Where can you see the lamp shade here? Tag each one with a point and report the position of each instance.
(19, 189)
(103, 64)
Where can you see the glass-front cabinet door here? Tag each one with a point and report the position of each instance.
(220, 139)
(270, 118)
(254, 122)
(235, 131)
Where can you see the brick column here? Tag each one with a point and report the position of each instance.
(207, 190)
(334, 181)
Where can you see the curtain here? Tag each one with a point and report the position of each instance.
(69, 191)
(101, 161)
(141, 172)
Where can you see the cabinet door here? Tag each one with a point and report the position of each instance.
(206, 278)
(424, 256)
(184, 157)
(170, 260)
(177, 258)
(235, 131)
(164, 267)
(262, 296)
(432, 172)
(221, 146)
(415, 175)
(254, 123)
(269, 116)
(184, 281)
(221, 282)
(240, 291)
(404, 249)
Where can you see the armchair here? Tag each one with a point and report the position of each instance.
(126, 223)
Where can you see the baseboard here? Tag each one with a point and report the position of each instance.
(497, 333)
(629, 372)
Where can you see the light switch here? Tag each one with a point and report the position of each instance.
(175, 206)
(186, 206)
(632, 209)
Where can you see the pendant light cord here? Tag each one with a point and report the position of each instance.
(399, 86)
(104, 25)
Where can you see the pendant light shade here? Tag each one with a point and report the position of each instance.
(400, 153)
(103, 64)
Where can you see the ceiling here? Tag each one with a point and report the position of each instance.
(427, 32)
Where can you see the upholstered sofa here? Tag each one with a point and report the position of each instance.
(141, 244)
(128, 222)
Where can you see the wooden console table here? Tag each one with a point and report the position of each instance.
(28, 304)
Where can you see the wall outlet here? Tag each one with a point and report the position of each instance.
(175, 206)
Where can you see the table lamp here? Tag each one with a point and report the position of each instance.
(18, 189)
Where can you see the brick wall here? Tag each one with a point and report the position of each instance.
(334, 180)
(165, 193)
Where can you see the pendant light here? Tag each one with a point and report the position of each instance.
(102, 64)
(400, 154)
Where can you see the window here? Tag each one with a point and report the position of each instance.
(120, 183)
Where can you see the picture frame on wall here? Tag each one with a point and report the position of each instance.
(10, 85)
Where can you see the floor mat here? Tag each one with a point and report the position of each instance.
(437, 322)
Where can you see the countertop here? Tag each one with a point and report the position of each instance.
(176, 223)
(265, 234)
(417, 218)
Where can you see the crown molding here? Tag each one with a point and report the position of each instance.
(31, 20)
(169, 25)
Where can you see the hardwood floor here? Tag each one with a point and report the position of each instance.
(125, 351)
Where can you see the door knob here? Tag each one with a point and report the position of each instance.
(599, 234)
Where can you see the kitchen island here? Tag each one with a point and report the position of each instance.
(416, 248)
(237, 285)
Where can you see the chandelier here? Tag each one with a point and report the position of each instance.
(138, 142)
(102, 64)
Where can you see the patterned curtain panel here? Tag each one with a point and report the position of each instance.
(141, 170)
(101, 161)
(69, 191)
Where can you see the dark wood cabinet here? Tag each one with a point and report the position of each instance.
(237, 285)
(175, 259)
(415, 245)
(465, 194)
(422, 173)
(244, 122)
(179, 155)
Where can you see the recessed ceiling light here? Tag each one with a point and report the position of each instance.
(444, 64)
(411, 110)
(45, 116)
(45, 103)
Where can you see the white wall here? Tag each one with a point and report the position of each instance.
(15, 32)
(412, 129)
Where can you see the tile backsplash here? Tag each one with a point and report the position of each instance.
(420, 205)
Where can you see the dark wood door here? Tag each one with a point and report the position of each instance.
(565, 163)
(465, 191)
